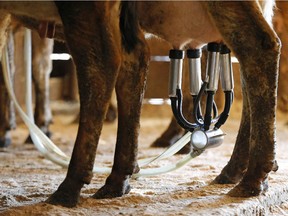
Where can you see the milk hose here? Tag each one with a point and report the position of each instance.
(51, 152)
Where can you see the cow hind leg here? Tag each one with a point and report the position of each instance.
(5, 139)
(173, 132)
(7, 111)
(257, 48)
(237, 165)
(96, 55)
(130, 90)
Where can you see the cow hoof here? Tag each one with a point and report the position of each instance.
(240, 191)
(162, 142)
(63, 199)
(111, 114)
(167, 139)
(66, 195)
(165, 142)
(246, 190)
(275, 166)
(109, 191)
(186, 149)
(5, 141)
(224, 179)
(30, 141)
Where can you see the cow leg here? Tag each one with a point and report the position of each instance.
(172, 133)
(90, 29)
(5, 139)
(130, 91)
(41, 68)
(7, 112)
(257, 48)
(237, 165)
(111, 113)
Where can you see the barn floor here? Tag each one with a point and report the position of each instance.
(27, 179)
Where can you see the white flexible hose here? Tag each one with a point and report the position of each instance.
(32, 127)
(51, 152)
(43, 144)
(167, 168)
(169, 151)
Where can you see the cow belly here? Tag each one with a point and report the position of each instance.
(179, 23)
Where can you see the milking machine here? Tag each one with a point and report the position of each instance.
(205, 131)
(200, 134)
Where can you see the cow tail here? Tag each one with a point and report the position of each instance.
(129, 26)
